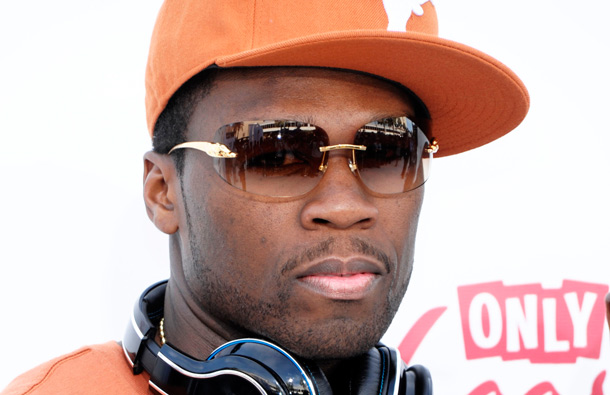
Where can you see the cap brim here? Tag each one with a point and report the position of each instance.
(473, 99)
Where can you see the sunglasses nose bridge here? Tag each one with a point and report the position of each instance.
(335, 172)
(343, 150)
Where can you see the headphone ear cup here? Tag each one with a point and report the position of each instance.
(381, 371)
(364, 374)
(289, 375)
(370, 372)
(420, 378)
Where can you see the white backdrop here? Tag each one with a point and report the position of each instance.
(530, 210)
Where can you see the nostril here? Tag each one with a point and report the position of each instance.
(322, 221)
(364, 221)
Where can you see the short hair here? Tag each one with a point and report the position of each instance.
(170, 129)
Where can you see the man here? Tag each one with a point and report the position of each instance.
(291, 144)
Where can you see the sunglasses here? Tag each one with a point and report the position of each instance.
(284, 158)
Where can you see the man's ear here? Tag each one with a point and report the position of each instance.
(160, 186)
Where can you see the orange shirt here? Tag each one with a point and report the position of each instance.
(99, 369)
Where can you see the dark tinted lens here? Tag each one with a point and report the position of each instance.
(274, 158)
(395, 159)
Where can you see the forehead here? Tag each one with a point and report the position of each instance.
(325, 97)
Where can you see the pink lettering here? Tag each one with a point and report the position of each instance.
(545, 388)
(529, 322)
(598, 384)
(418, 331)
(487, 388)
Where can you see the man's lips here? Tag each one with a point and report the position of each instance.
(335, 278)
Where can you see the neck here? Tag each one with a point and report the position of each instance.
(189, 328)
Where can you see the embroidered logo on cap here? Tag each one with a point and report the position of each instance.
(399, 12)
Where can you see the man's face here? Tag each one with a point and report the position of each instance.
(321, 274)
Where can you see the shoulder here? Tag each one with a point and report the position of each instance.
(94, 369)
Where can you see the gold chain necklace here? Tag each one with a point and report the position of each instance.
(162, 330)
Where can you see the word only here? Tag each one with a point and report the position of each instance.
(529, 322)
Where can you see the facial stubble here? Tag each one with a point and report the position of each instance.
(277, 320)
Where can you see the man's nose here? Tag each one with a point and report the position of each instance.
(339, 201)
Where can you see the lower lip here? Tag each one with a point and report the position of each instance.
(341, 287)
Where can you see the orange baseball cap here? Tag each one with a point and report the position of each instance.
(472, 98)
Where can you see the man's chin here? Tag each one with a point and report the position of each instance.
(329, 342)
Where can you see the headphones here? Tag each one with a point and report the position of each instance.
(254, 366)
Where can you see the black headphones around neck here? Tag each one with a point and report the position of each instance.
(253, 366)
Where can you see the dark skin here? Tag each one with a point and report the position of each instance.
(245, 265)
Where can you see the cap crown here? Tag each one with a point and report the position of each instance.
(191, 35)
(472, 98)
